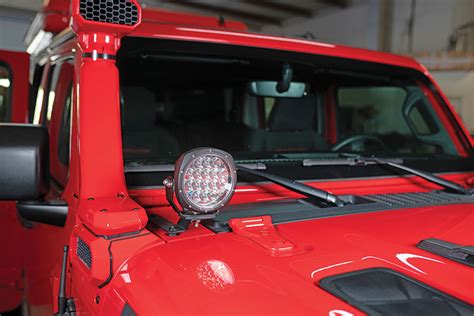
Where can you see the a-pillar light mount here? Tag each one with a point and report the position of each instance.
(203, 183)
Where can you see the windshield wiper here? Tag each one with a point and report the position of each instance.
(296, 186)
(396, 163)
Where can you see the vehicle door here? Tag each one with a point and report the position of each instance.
(14, 91)
(44, 242)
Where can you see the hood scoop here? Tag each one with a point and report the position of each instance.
(382, 291)
(459, 253)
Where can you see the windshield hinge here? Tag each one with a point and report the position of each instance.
(461, 253)
(262, 231)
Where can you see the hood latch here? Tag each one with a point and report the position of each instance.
(262, 231)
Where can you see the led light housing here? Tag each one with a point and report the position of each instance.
(204, 180)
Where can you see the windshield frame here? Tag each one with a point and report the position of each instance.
(134, 45)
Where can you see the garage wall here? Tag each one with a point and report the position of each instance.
(435, 20)
(348, 26)
(13, 26)
(458, 87)
(358, 24)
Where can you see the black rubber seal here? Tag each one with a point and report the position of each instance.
(98, 56)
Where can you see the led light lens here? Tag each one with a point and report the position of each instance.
(206, 179)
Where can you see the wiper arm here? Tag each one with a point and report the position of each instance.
(423, 174)
(296, 186)
(395, 163)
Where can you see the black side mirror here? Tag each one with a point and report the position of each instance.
(24, 162)
(24, 173)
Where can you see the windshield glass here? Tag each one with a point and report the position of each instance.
(174, 102)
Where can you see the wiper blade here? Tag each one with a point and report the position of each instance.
(295, 186)
(395, 163)
(139, 167)
(345, 161)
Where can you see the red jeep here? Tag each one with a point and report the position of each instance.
(180, 165)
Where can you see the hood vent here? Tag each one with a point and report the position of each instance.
(84, 252)
(419, 198)
(386, 292)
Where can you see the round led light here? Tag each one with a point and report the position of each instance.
(204, 180)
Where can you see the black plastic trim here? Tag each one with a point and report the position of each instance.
(111, 259)
(458, 253)
(52, 212)
(24, 162)
(298, 172)
(8, 111)
(83, 252)
(293, 210)
(98, 56)
(368, 304)
(115, 236)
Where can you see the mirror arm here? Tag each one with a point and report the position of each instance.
(287, 77)
(52, 212)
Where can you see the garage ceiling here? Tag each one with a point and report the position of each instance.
(255, 13)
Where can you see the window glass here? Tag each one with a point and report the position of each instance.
(371, 110)
(268, 104)
(395, 118)
(5, 91)
(35, 92)
(208, 103)
(53, 84)
(43, 96)
(422, 120)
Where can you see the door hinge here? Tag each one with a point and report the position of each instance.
(262, 231)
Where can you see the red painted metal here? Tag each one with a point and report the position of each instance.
(11, 267)
(251, 281)
(200, 272)
(231, 37)
(262, 231)
(55, 15)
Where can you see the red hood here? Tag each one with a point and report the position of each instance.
(178, 278)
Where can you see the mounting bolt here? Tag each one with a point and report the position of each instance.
(135, 209)
(90, 198)
(103, 210)
(168, 182)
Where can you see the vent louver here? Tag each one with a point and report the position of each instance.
(380, 291)
(84, 252)
(423, 198)
(123, 12)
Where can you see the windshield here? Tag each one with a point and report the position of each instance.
(176, 101)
